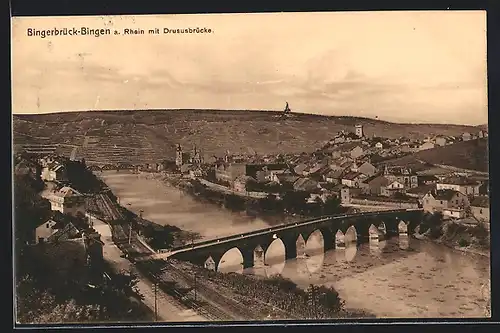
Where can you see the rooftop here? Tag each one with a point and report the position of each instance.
(351, 175)
(422, 189)
(482, 201)
(459, 181)
(67, 191)
(445, 195)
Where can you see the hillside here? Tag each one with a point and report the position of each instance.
(471, 155)
(151, 135)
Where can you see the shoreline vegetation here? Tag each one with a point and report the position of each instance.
(276, 297)
(270, 297)
(472, 240)
(46, 296)
(468, 239)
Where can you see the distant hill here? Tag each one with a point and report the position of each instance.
(471, 155)
(144, 135)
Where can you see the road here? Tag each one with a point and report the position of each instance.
(168, 308)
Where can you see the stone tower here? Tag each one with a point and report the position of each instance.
(196, 156)
(359, 131)
(178, 156)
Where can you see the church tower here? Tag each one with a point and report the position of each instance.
(196, 156)
(178, 156)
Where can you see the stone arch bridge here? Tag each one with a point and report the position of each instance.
(383, 223)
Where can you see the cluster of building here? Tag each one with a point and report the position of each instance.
(343, 167)
(443, 140)
(67, 222)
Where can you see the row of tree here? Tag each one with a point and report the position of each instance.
(295, 202)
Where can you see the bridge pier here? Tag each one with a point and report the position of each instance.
(290, 247)
(391, 225)
(247, 243)
(248, 257)
(328, 239)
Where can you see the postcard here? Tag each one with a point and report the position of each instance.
(250, 167)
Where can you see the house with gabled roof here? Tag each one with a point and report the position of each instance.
(54, 172)
(333, 176)
(305, 184)
(356, 152)
(300, 169)
(404, 175)
(367, 169)
(284, 179)
(420, 191)
(461, 184)
(67, 201)
(375, 185)
(480, 208)
(352, 179)
(55, 229)
(436, 201)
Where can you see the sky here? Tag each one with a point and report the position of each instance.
(424, 67)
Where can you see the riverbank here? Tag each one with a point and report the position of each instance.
(275, 298)
(464, 250)
(468, 239)
(381, 279)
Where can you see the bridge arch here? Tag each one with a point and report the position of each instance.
(351, 235)
(373, 232)
(231, 261)
(275, 252)
(316, 241)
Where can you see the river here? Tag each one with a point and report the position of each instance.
(399, 277)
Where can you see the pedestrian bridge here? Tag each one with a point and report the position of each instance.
(334, 229)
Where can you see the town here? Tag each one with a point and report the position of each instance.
(350, 173)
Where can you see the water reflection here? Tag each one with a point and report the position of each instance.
(350, 252)
(315, 262)
(397, 277)
(339, 239)
(377, 247)
(404, 241)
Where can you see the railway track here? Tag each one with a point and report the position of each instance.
(235, 307)
(179, 287)
(120, 234)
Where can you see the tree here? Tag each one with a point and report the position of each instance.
(295, 201)
(162, 238)
(332, 205)
(30, 209)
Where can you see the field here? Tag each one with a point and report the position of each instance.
(151, 135)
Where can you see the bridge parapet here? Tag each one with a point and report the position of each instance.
(246, 243)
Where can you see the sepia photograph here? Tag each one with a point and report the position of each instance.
(252, 167)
